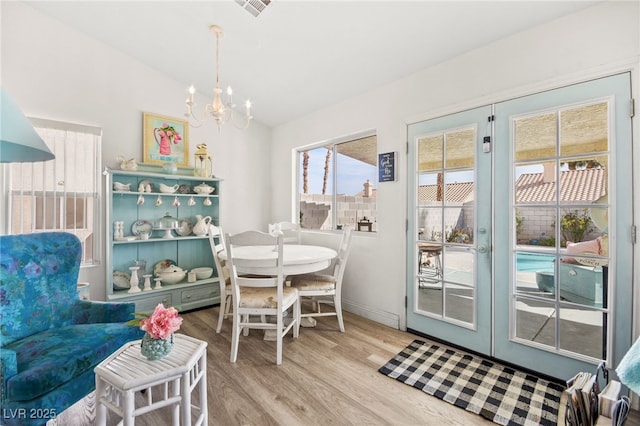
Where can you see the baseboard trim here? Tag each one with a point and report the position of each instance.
(383, 317)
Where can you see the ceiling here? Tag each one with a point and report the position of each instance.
(299, 56)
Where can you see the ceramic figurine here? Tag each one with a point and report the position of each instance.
(202, 225)
(129, 164)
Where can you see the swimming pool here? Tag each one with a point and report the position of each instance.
(534, 262)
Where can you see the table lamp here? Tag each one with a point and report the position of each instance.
(19, 141)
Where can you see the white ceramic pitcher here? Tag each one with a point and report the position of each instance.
(202, 225)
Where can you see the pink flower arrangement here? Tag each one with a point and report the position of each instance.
(161, 324)
(168, 131)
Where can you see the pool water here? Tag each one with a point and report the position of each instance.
(533, 262)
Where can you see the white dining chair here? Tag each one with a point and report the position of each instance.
(290, 231)
(326, 286)
(216, 240)
(260, 295)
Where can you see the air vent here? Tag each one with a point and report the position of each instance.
(254, 7)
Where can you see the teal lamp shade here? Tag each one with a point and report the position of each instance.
(19, 141)
(629, 368)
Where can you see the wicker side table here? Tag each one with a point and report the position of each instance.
(126, 371)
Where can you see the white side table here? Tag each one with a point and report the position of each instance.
(127, 371)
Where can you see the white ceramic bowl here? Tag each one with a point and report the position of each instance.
(203, 272)
(172, 277)
(121, 280)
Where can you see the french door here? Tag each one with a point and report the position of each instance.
(449, 294)
(521, 248)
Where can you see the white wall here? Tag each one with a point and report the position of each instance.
(55, 72)
(594, 42)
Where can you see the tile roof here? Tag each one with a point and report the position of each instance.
(575, 185)
(458, 192)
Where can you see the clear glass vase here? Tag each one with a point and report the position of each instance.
(152, 348)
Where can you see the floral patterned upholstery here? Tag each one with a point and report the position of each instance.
(263, 298)
(314, 282)
(50, 340)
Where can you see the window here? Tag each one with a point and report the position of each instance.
(336, 184)
(61, 194)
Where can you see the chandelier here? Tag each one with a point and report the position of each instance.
(221, 112)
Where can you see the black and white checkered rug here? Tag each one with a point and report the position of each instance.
(498, 393)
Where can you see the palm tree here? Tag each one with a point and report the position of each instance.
(327, 159)
(439, 187)
(305, 172)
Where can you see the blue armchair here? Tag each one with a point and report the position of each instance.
(50, 340)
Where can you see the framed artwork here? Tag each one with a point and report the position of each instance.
(165, 139)
(387, 167)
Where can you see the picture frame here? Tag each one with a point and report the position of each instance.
(165, 139)
(387, 167)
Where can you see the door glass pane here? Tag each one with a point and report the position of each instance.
(536, 226)
(535, 274)
(430, 153)
(459, 148)
(458, 188)
(535, 137)
(535, 182)
(459, 224)
(535, 321)
(430, 224)
(582, 282)
(459, 265)
(429, 297)
(582, 331)
(459, 302)
(583, 179)
(584, 130)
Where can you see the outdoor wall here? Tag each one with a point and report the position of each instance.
(537, 225)
(595, 42)
(315, 209)
(55, 72)
(456, 217)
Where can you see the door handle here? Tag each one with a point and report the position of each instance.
(482, 248)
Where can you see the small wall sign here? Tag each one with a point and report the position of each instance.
(387, 167)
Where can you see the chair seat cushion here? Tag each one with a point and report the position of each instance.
(266, 297)
(56, 356)
(314, 282)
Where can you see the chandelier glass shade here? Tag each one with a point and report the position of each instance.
(221, 111)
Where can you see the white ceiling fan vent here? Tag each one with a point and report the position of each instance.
(254, 7)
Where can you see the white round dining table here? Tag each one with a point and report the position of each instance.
(297, 258)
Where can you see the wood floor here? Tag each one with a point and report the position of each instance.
(326, 378)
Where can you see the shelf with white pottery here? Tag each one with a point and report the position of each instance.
(165, 194)
(160, 239)
(188, 251)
